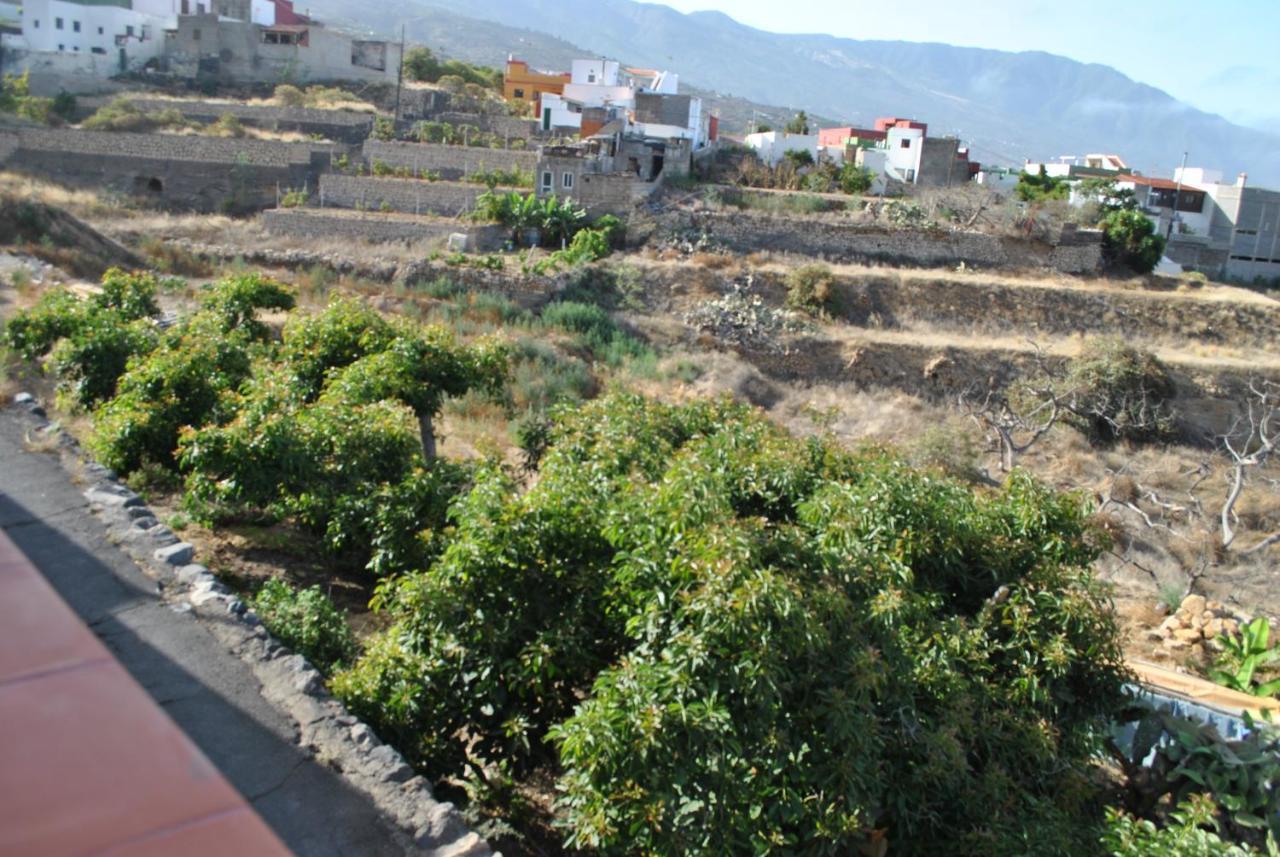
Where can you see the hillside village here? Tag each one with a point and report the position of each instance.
(520, 385)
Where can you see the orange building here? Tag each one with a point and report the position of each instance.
(523, 85)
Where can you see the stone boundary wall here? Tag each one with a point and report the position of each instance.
(377, 228)
(411, 196)
(451, 162)
(8, 146)
(170, 147)
(343, 126)
(514, 127)
(1078, 252)
(326, 730)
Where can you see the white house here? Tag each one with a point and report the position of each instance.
(772, 146)
(123, 33)
(904, 150)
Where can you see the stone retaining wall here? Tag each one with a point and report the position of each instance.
(344, 126)
(317, 224)
(8, 146)
(411, 196)
(451, 162)
(1077, 252)
(186, 173)
(513, 127)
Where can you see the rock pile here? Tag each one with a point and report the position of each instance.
(1196, 625)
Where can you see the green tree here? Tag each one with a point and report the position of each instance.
(742, 642)
(799, 124)
(1041, 187)
(1131, 240)
(855, 180)
(420, 64)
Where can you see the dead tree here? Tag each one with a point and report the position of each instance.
(1250, 452)
(1014, 431)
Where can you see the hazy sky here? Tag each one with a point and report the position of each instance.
(1220, 55)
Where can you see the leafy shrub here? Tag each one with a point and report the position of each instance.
(121, 114)
(235, 301)
(227, 126)
(1243, 656)
(594, 331)
(1041, 186)
(1192, 834)
(307, 622)
(288, 95)
(185, 381)
(92, 340)
(16, 98)
(1115, 391)
(1130, 239)
(33, 333)
(384, 128)
(1174, 758)
(294, 198)
(742, 642)
(809, 288)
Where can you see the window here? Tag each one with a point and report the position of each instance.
(195, 34)
(99, 31)
(519, 93)
(35, 23)
(906, 144)
(62, 47)
(75, 26)
(75, 48)
(128, 31)
(591, 77)
(57, 23)
(548, 180)
(567, 181)
(911, 176)
(97, 50)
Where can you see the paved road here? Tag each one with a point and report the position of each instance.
(209, 692)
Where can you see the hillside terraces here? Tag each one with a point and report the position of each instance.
(340, 126)
(448, 162)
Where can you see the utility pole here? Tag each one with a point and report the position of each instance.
(1177, 195)
(400, 74)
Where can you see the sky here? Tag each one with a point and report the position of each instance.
(1222, 56)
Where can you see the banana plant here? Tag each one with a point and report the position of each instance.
(1243, 656)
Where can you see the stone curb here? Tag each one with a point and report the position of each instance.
(329, 732)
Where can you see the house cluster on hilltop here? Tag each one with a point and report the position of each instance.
(1220, 227)
(630, 128)
(226, 41)
(896, 152)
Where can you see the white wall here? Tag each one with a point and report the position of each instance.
(92, 30)
(595, 72)
(904, 150)
(596, 95)
(772, 146)
(562, 114)
(263, 12)
(1000, 181)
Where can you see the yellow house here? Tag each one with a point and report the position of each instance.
(523, 85)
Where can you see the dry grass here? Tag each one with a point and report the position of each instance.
(82, 203)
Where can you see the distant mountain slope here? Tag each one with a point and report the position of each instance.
(1011, 106)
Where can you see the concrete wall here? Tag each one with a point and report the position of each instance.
(938, 166)
(412, 196)
(377, 227)
(452, 162)
(1078, 252)
(234, 52)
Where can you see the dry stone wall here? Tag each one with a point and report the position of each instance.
(320, 224)
(8, 146)
(343, 126)
(512, 127)
(1077, 253)
(451, 162)
(189, 173)
(411, 196)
